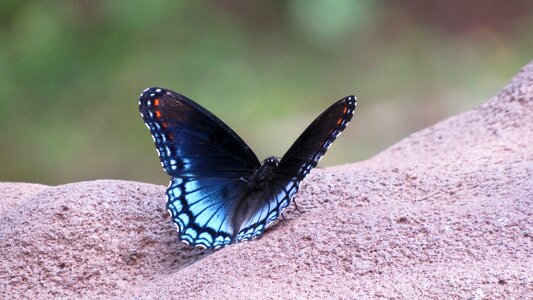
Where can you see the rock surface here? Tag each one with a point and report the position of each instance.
(445, 213)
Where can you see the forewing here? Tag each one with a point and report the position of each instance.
(191, 141)
(303, 155)
(313, 143)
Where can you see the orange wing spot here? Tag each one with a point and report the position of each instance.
(344, 112)
(156, 102)
(157, 114)
(170, 137)
(164, 125)
(339, 122)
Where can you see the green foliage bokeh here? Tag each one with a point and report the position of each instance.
(71, 73)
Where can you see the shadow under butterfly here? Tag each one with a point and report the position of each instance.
(220, 193)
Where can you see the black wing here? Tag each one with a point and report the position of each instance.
(313, 143)
(303, 156)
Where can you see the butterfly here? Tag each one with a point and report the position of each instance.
(220, 193)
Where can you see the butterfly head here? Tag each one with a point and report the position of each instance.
(271, 161)
(265, 173)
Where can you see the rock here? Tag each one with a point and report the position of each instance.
(447, 212)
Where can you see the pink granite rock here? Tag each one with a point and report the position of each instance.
(445, 213)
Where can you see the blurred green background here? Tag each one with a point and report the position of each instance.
(71, 73)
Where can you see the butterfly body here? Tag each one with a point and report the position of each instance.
(264, 174)
(219, 193)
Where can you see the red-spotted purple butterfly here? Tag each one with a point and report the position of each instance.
(220, 193)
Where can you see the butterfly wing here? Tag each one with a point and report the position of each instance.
(313, 143)
(303, 155)
(207, 161)
(190, 140)
(243, 214)
(271, 202)
(202, 209)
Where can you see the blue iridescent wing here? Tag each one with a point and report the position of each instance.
(208, 162)
(190, 140)
(202, 209)
(271, 202)
(312, 144)
(215, 212)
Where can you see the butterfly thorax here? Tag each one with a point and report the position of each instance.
(265, 173)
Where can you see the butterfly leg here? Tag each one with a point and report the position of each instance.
(297, 208)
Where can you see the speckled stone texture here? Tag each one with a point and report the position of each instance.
(445, 213)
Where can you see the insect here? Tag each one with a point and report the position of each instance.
(220, 193)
